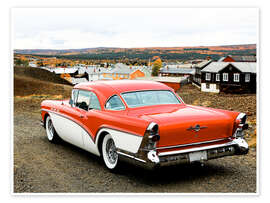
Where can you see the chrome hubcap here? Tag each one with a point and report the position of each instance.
(111, 151)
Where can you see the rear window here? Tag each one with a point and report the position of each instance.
(149, 98)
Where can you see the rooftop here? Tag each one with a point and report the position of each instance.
(178, 70)
(106, 89)
(238, 58)
(245, 67)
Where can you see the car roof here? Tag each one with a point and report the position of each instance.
(109, 88)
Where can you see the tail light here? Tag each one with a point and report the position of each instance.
(240, 125)
(153, 135)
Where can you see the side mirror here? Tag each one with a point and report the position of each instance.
(71, 102)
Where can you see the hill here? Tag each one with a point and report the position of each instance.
(32, 81)
(169, 53)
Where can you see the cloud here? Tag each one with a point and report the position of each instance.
(83, 28)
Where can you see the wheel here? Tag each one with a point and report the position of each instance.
(109, 154)
(50, 131)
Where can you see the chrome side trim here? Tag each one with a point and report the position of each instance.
(196, 149)
(197, 143)
(67, 117)
(140, 160)
(130, 156)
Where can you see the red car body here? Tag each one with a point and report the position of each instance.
(153, 135)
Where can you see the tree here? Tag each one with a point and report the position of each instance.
(156, 66)
(20, 62)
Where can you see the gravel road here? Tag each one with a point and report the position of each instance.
(40, 166)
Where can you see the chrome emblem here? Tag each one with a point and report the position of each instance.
(197, 128)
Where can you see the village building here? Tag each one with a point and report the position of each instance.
(229, 76)
(121, 71)
(198, 67)
(118, 71)
(33, 64)
(70, 70)
(177, 72)
(178, 65)
(235, 58)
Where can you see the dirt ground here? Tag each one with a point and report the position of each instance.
(40, 166)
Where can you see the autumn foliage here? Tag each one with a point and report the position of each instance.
(156, 67)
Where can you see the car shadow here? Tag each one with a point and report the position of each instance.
(178, 173)
(164, 175)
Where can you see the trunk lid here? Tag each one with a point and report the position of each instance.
(187, 124)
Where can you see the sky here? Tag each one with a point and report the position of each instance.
(74, 28)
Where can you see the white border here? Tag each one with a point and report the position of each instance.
(252, 194)
(8, 125)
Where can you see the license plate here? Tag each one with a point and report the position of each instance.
(197, 156)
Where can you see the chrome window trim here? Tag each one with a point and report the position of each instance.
(89, 100)
(114, 109)
(72, 96)
(98, 102)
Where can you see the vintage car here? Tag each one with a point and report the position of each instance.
(142, 122)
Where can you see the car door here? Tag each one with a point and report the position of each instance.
(74, 128)
(91, 120)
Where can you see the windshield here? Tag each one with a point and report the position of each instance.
(149, 98)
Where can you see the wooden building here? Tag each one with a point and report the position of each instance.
(176, 72)
(198, 67)
(235, 58)
(229, 76)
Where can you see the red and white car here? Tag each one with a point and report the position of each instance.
(143, 122)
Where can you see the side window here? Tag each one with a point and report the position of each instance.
(217, 77)
(236, 77)
(115, 103)
(225, 76)
(208, 76)
(83, 100)
(247, 77)
(94, 103)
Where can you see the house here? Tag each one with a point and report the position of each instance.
(32, 64)
(235, 58)
(178, 65)
(71, 71)
(117, 72)
(198, 67)
(177, 72)
(96, 73)
(229, 76)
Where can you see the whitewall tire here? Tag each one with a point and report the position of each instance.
(50, 131)
(109, 154)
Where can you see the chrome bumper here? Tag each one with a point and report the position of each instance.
(151, 159)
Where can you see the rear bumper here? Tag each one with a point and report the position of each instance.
(152, 159)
